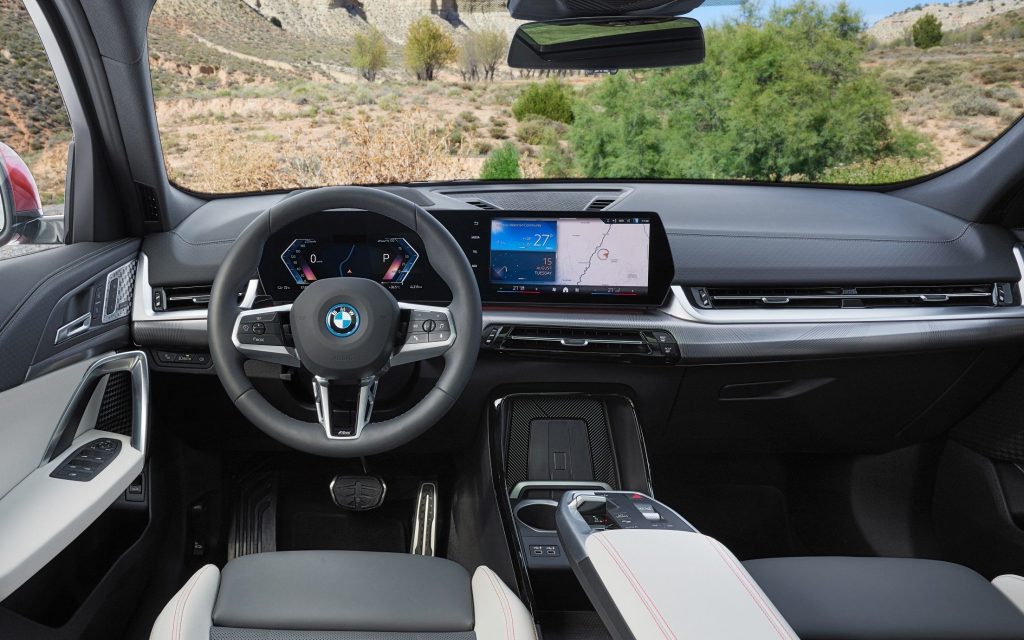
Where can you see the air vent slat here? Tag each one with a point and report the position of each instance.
(182, 298)
(601, 203)
(986, 295)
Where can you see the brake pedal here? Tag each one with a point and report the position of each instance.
(358, 493)
(424, 523)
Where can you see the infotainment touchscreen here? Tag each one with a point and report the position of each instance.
(591, 256)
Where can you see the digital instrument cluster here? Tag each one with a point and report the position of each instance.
(518, 257)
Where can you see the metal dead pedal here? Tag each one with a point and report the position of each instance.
(358, 493)
(424, 523)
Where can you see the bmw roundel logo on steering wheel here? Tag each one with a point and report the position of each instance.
(342, 320)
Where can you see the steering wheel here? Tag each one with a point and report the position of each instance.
(345, 330)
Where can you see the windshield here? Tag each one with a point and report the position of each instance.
(259, 95)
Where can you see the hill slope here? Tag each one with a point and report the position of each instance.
(952, 16)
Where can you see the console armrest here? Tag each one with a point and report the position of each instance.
(659, 578)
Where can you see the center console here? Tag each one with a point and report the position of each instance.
(650, 574)
(594, 550)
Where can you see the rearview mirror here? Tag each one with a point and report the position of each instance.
(592, 44)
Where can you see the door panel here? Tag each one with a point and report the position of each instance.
(64, 318)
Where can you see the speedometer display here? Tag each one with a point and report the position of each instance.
(386, 260)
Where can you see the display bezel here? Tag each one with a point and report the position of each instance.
(472, 230)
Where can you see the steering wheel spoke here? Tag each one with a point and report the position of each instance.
(265, 334)
(363, 412)
(430, 333)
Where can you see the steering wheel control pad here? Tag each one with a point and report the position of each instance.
(345, 328)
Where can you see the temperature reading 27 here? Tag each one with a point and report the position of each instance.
(541, 239)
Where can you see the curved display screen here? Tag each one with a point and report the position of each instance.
(518, 257)
(589, 256)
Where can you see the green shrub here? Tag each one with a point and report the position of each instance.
(539, 131)
(783, 98)
(552, 100)
(927, 32)
(502, 164)
(974, 105)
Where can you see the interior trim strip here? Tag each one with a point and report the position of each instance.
(679, 306)
(136, 364)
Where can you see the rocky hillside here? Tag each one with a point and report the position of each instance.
(953, 16)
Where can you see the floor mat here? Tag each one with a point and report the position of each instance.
(572, 625)
(365, 531)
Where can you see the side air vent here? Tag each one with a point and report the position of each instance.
(482, 204)
(873, 297)
(601, 203)
(184, 298)
(579, 341)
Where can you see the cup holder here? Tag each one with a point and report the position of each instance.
(537, 514)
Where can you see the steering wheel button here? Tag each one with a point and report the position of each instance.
(440, 336)
(245, 327)
(266, 340)
(429, 325)
(264, 317)
(259, 328)
(416, 338)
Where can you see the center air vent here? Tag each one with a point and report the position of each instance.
(632, 344)
(601, 203)
(871, 297)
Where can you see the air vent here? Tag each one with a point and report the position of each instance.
(872, 297)
(601, 203)
(183, 298)
(580, 341)
(482, 204)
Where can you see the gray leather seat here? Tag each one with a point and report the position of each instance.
(892, 598)
(343, 595)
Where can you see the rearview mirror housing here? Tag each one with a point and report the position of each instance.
(597, 44)
(563, 9)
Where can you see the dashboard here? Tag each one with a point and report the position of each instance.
(519, 257)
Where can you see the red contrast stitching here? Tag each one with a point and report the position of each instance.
(505, 607)
(769, 614)
(659, 620)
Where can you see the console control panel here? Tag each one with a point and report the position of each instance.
(602, 511)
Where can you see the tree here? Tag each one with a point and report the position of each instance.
(428, 47)
(493, 47)
(785, 99)
(369, 53)
(469, 57)
(927, 32)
